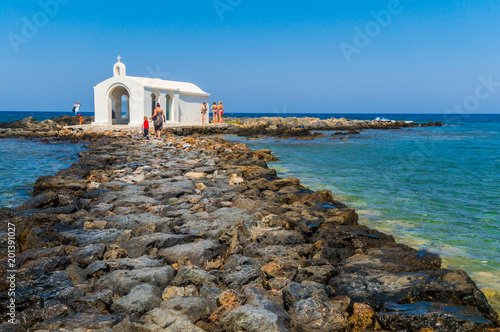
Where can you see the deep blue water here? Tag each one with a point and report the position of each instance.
(434, 188)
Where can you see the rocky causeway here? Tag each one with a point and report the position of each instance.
(195, 233)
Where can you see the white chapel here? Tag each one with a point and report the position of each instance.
(125, 100)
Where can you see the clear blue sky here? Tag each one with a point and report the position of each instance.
(257, 56)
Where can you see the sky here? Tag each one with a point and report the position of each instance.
(391, 56)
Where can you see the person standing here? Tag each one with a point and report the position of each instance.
(204, 110)
(159, 118)
(80, 119)
(221, 112)
(76, 107)
(145, 127)
(214, 112)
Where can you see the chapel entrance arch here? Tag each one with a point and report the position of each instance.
(119, 105)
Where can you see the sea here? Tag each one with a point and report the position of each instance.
(433, 188)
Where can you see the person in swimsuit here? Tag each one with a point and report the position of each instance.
(159, 117)
(214, 111)
(221, 112)
(204, 110)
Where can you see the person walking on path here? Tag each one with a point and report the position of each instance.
(76, 108)
(145, 127)
(214, 112)
(204, 110)
(221, 112)
(159, 118)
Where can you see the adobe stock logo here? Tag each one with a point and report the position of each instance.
(223, 6)
(372, 29)
(33, 24)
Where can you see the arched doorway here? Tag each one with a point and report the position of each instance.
(119, 103)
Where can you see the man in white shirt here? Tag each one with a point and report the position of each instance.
(76, 107)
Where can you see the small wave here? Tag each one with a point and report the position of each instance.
(384, 119)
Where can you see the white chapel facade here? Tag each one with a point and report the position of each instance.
(125, 100)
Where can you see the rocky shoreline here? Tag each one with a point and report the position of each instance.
(302, 128)
(196, 233)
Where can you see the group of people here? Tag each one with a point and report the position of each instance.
(158, 119)
(217, 111)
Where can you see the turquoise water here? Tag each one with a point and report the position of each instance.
(434, 188)
(23, 161)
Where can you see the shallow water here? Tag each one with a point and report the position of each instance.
(23, 161)
(433, 188)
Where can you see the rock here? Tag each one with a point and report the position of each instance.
(362, 317)
(141, 299)
(52, 288)
(195, 308)
(99, 268)
(281, 267)
(193, 275)
(143, 245)
(195, 175)
(76, 274)
(438, 316)
(78, 237)
(98, 224)
(241, 275)
(173, 291)
(86, 255)
(258, 297)
(95, 303)
(312, 315)
(251, 319)
(296, 292)
(320, 274)
(46, 199)
(197, 253)
(89, 321)
(122, 282)
(167, 321)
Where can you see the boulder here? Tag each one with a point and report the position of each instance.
(311, 315)
(195, 308)
(143, 245)
(251, 319)
(88, 254)
(197, 253)
(141, 299)
(166, 320)
(121, 282)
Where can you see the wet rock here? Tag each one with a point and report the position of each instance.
(251, 319)
(46, 199)
(440, 317)
(141, 299)
(50, 289)
(320, 274)
(311, 315)
(197, 253)
(122, 282)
